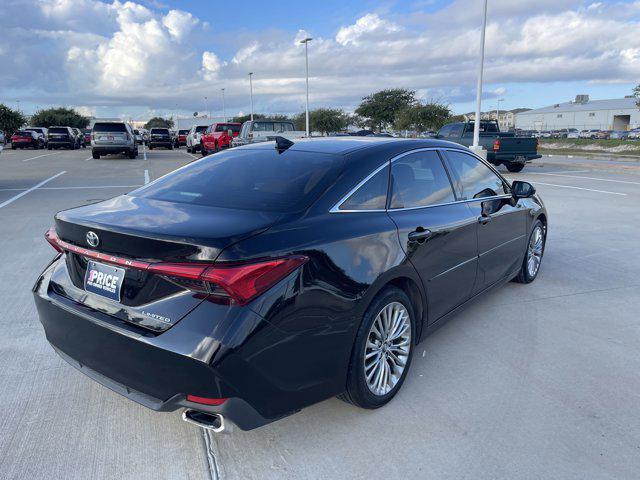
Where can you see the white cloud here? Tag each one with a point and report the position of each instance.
(370, 24)
(179, 23)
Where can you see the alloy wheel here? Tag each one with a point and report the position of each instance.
(387, 348)
(534, 251)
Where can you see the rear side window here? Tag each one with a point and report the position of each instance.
(419, 180)
(263, 127)
(370, 196)
(456, 130)
(444, 131)
(475, 179)
(225, 128)
(109, 127)
(249, 180)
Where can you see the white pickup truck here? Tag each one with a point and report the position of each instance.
(264, 130)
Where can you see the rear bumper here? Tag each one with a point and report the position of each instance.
(61, 143)
(511, 158)
(158, 371)
(107, 149)
(154, 143)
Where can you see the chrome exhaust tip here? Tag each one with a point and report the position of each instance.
(211, 421)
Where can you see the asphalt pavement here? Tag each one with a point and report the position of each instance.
(531, 381)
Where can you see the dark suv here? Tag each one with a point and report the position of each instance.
(160, 137)
(113, 137)
(61, 137)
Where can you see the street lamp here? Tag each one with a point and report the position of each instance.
(306, 57)
(476, 123)
(206, 108)
(224, 112)
(498, 109)
(251, 92)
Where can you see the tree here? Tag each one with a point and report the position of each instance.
(247, 117)
(328, 120)
(430, 116)
(10, 120)
(67, 117)
(381, 108)
(158, 122)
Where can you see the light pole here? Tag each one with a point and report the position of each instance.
(251, 92)
(498, 109)
(306, 57)
(206, 107)
(476, 123)
(224, 112)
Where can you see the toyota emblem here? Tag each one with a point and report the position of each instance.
(92, 239)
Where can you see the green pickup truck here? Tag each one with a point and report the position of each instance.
(502, 147)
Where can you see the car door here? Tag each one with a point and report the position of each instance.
(437, 232)
(501, 219)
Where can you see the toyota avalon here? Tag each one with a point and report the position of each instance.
(257, 281)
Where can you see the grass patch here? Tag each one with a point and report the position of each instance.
(584, 145)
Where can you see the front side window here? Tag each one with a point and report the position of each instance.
(475, 179)
(370, 196)
(420, 180)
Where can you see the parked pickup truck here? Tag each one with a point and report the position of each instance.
(218, 136)
(265, 130)
(502, 147)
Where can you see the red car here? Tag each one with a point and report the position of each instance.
(218, 136)
(182, 138)
(26, 138)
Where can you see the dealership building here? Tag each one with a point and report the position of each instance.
(583, 114)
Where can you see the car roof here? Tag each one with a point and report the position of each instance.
(345, 145)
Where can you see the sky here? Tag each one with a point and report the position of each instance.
(137, 59)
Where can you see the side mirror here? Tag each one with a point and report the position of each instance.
(522, 189)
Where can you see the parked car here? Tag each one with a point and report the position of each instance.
(503, 148)
(619, 135)
(182, 138)
(42, 133)
(80, 142)
(568, 133)
(634, 134)
(218, 136)
(602, 134)
(3, 139)
(193, 137)
(264, 280)
(113, 138)
(26, 139)
(61, 137)
(86, 133)
(138, 136)
(160, 137)
(265, 130)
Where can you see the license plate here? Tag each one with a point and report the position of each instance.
(103, 280)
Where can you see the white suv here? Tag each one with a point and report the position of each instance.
(193, 137)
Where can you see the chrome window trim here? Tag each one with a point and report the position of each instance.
(336, 207)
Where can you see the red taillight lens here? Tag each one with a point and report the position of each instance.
(496, 144)
(537, 143)
(205, 400)
(52, 237)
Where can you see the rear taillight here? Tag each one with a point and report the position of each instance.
(52, 237)
(496, 144)
(238, 282)
(537, 143)
(205, 400)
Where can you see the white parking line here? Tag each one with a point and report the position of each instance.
(146, 177)
(39, 156)
(187, 153)
(78, 187)
(580, 188)
(87, 159)
(13, 199)
(587, 178)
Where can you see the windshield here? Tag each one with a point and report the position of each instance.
(109, 127)
(249, 180)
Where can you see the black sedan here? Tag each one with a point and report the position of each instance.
(260, 280)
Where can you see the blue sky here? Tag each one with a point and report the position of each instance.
(139, 58)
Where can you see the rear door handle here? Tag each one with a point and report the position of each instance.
(484, 219)
(419, 235)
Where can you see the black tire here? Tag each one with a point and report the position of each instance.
(95, 155)
(132, 154)
(217, 148)
(49, 147)
(515, 167)
(358, 392)
(13, 147)
(188, 149)
(525, 275)
(150, 147)
(203, 151)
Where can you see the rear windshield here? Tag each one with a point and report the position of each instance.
(183, 132)
(58, 130)
(221, 127)
(160, 131)
(23, 133)
(201, 128)
(39, 130)
(249, 180)
(109, 127)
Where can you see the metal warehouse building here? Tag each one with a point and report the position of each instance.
(583, 114)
